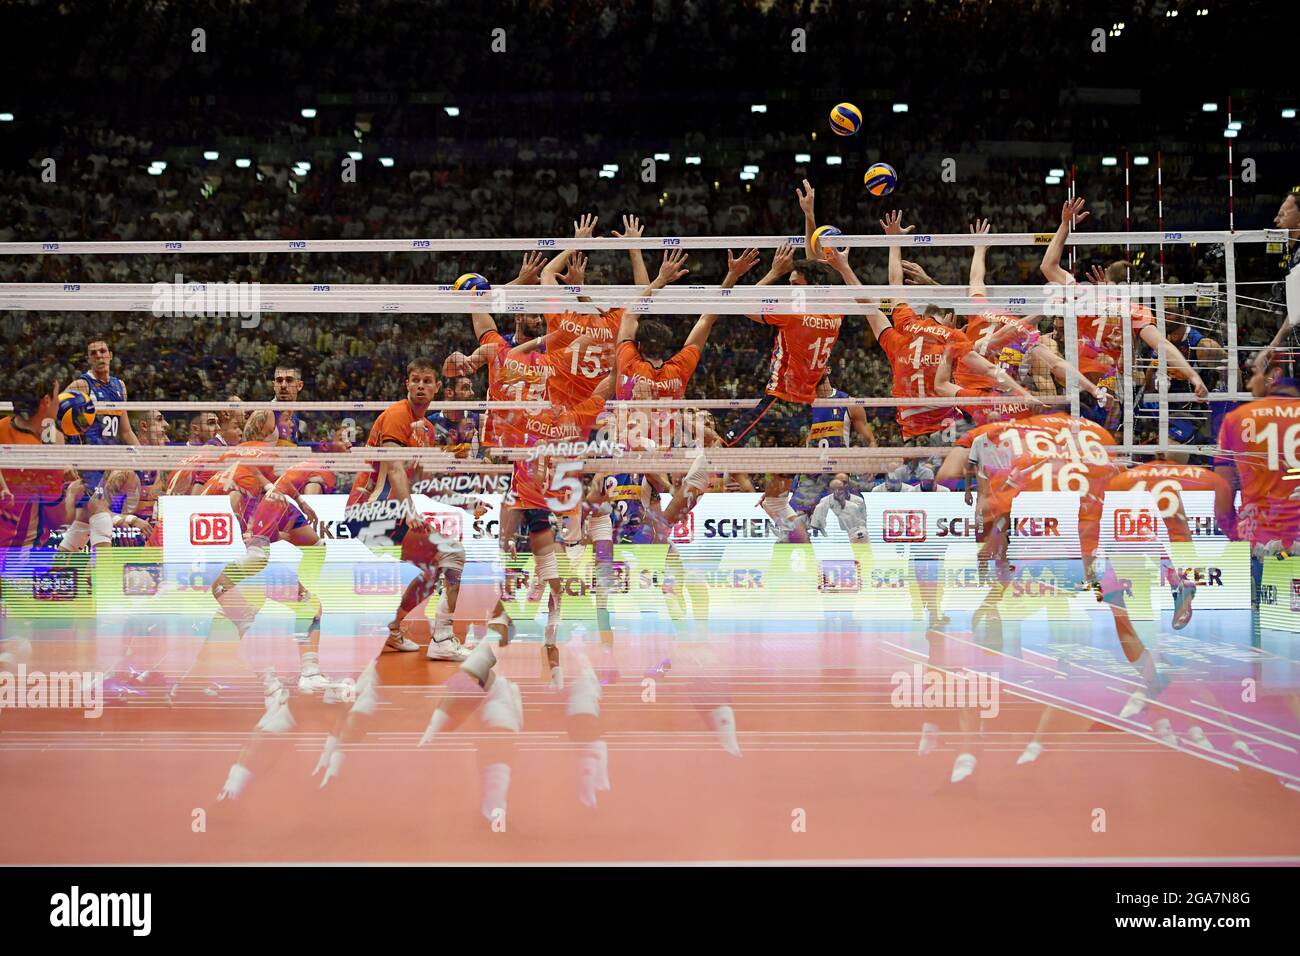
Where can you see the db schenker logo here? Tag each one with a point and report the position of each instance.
(1134, 525)
(445, 523)
(904, 526)
(210, 529)
(840, 576)
(683, 532)
(377, 578)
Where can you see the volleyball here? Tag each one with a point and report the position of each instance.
(76, 413)
(880, 179)
(472, 280)
(846, 119)
(822, 232)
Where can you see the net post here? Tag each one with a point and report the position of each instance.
(1126, 378)
(1230, 280)
(1162, 370)
(1071, 351)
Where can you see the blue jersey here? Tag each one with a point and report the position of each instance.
(624, 493)
(107, 429)
(830, 427)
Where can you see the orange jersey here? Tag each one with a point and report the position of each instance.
(668, 380)
(577, 372)
(536, 480)
(915, 347)
(299, 477)
(243, 476)
(799, 355)
(981, 330)
(512, 379)
(398, 424)
(1101, 341)
(1262, 439)
(1166, 481)
(28, 483)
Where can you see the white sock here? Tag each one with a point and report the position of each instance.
(724, 722)
(602, 749)
(236, 781)
(310, 664)
(588, 775)
(331, 745)
(496, 787)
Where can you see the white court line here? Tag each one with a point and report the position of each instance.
(1249, 720)
(1214, 723)
(1103, 717)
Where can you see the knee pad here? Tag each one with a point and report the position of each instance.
(101, 528)
(256, 556)
(547, 567)
(601, 528)
(76, 537)
(778, 509)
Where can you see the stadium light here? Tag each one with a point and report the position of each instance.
(354, 154)
(386, 161)
(900, 107)
(308, 113)
(607, 174)
(1286, 114)
(451, 110)
(243, 163)
(663, 157)
(609, 167)
(1052, 180)
(1209, 107)
(758, 108)
(211, 154)
(1056, 172)
(1141, 160)
(155, 171)
(158, 164)
(803, 157)
(1109, 161)
(692, 160)
(751, 169)
(1235, 124)
(1171, 13)
(834, 161)
(1229, 134)
(746, 175)
(6, 117)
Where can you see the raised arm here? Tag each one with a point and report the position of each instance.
(839, 261)
(736, 267)
(632, 230)
(584, 228)
(1071, 211)
(782, 263)
(530, 269)
(980, 227)
(893, 226)
(671, 269)
(978, 363)
(1174, 358)
(806, 199)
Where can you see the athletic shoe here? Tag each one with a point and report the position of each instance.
(236, 781)
(929, 739)
(447, 650)
(1243, 748)
(1183, 595)
(1031, 753)
(311, 683)
(1197, 736)
(1165, 732)
(962, 767)
(661, 669)
(340, 692)
(398, 641)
